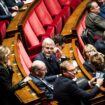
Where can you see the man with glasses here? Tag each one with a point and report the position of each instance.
(66, 90)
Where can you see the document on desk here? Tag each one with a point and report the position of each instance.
(28, 1)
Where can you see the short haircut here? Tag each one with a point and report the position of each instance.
(47, 41)
(36, 65)
(98, 61)
(59, 39)
(63, 66)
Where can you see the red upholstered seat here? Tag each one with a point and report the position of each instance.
(38, 27)
(80, 55)
(80, 29)
(45, 17)
(64, 2)
(35, 24)
(3, 26)
(30, 35)
(74, 4)
(24, 58)
(24, 65)
(34, 51)
(56, 10)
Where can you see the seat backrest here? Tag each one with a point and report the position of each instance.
(24, 65)
(30, 35)
(36, 24)
(25, 60)
(64, 2)
(74, 4)
(54, 8)
(80, 55)
(2, 30)
(44, 16)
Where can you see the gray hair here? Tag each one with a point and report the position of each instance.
(47, 41)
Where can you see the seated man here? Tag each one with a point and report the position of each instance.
(59, 41)
(67, 92)
(94, 22)
(100, 45)
(48, 57)
(4, 11)
(38, 72)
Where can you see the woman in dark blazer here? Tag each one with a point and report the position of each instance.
(7, 96)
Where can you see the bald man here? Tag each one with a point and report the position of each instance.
(48, 57)
(38, 72)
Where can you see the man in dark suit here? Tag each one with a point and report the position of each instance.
(67, 92)
(4, 11)
(38, 71)
(94, 22)
(48, 57)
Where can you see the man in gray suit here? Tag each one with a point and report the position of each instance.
(94, 22)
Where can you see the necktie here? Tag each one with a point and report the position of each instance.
(5, 8)
(47, 84)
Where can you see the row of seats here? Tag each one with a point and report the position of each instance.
(80, 28)
(46, 23)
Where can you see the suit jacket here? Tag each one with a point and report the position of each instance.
(6, 89)
(11, 3)
(102, 11)
(51, 64)
(95, 23)
(44, 84)
(67, 92)
(100, 46)
(3, 15)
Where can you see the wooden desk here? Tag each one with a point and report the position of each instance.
(26, 95)
(74, 19)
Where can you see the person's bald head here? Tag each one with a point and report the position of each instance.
(38, 68)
